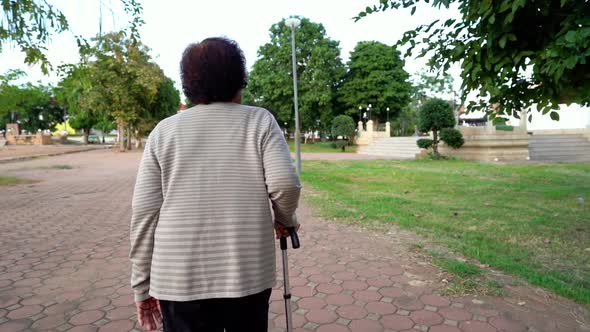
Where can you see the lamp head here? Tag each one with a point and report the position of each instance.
(292, 22)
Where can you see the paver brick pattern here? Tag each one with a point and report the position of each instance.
(64, 266)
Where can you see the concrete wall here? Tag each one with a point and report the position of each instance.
(489, 144)
(38, 139)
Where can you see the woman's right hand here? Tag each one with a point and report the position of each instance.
(282, 231)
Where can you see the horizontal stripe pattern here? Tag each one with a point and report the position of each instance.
(202, 223)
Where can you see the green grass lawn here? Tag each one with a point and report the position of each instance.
(528, 220)
(319, 147)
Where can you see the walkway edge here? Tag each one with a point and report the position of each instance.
(24, 158)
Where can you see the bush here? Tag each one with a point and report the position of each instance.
(339, 145)
(424, 143)
(435, 115)
(504, 127)
(452, 137)
(343, 125)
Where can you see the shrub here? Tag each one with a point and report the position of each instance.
(504, 127)
(340, 144)
(452, 137)
(343, 125)
(434, 115)
(424, 143)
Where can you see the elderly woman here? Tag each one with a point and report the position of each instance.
(202, 245)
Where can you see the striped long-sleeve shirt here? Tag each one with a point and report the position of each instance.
(202, 224)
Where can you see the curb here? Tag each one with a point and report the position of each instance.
(23, 158)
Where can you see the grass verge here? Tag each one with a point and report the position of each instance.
(531, 221)
(58, 166)
(465, 278)
(10, 180)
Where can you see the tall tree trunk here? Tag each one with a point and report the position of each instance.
(129, 138)
(435, 142)
(86, 133)
(121, 135)
(138, 143)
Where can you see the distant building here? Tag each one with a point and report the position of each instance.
(573, 116)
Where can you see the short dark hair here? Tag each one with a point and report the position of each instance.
(213, 70)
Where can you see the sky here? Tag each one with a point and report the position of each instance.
(173, 24)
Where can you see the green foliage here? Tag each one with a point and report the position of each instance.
(162, 106)
(512, 53)
(116, 81)
(435, 114)
(30, 24)
(72, 91)
(424, 143)
(105, 125)
(504, 127)
(452, 137)
(340, 144)
(428, 85)
(319, 70)
(375, 76)
(34, 104)
(125, 81)
(405, 122)
(343, 125)
(462, 269)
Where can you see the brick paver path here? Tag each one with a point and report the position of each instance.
(63, 266)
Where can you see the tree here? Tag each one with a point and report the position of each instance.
(319, 70)
(71, 92)
(124, 81)
(427, 85)
(375, 76)
(514, 53)
(34, 104)
(424, 86)
(343, 125)
(30, 24)
(105, 125)
(162, 106)
(435, 115)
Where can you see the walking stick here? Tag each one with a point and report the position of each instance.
(287, 292)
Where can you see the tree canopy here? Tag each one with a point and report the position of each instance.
(375, 76)
(435, 115)
(124, 79)
(35, 106)
(319, 71)
(513, 53)
(116, 80)
(30, 24)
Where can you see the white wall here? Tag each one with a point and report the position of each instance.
(573, 116)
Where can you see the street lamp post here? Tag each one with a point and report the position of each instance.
(293, 23)
(286, 132)
(360, 113)
(388, 114)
